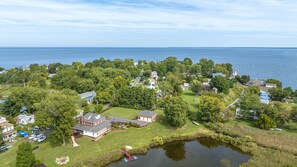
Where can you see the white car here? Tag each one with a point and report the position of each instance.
(41, 139)
(37, 137)
(31, 137)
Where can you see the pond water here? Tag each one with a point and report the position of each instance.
(203, 152)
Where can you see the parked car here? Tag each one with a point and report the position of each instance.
(32, 136)
(41, 139)
(3, 149)
(37, 137)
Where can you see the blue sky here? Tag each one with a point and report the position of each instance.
(148, 23)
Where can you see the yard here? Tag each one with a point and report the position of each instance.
(135, 137)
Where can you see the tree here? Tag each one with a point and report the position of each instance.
(196, 86)
(244, 79)
(98, 108)
(57, 112)
(2, 142)
(207, 67)
(293, 115)
(253, 90)
(288, 91)
(211, 109)
(25, 156)
(23, 97)
(221, 83)
(265, 122)
(277, 94)
(176, 111)
(250, 102)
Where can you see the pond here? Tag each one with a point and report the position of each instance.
(203, 152)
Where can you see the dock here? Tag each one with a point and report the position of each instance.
(129, 157)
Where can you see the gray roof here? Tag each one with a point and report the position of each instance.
(94, 129)
(147, 113)
(140, 123)
(117, 119)
(88, 94)
(92, 117)
(2, 101)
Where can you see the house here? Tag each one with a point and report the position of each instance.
(260, 84)
(92, 125)
(51, 75)
(25, 119)
(88, 96)
(234, 74)
(264, 97)
(147, 116)
(270, 85)
(186, 86)
(154, 75)
(218, 74)
(8, 130)
(2, 101)
(152, 85)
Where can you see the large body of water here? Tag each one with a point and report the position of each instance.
(261, 63)
(204, 152)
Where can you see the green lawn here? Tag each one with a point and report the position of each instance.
(122, 112)
(5, 90)
(193, 100)
(135, 137)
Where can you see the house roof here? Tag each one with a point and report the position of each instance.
(140, 123)
(94, 129)
(92, 117)
(117, 119)
(26, 117)
(2, 101)
(5, 124)
(147, 113)
(88, 94)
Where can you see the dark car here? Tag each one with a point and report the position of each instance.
(3, 149)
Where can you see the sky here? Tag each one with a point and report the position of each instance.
(148, 23)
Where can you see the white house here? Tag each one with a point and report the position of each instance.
(92, 125)
(270, 85)
(25, 119)
(7, 130)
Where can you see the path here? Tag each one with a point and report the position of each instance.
(234, 102)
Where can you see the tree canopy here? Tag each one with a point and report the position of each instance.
(176, 111)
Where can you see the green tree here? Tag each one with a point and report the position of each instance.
(277, 94)
(176, 111)
(265, 122)
(23, 97)
(207, 67)
(288, 91)
(196, 86)
(98, 108)
(293, 115)
(211, 109)
(2, 142)
(253, 90)
(57, 112)
(250, 102)
(25, 156)
(221, 83)
(244, 79)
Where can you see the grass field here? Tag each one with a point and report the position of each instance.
(193, 100)
(4, 90)
(135, 137)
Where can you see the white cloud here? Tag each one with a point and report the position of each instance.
(219, 15)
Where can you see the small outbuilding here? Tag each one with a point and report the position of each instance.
(147, 116)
